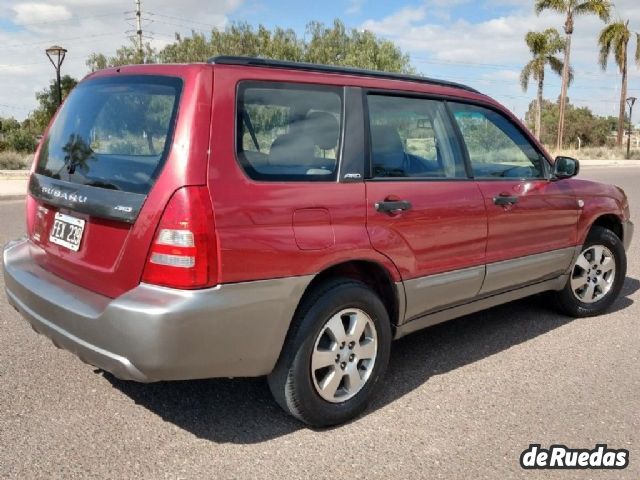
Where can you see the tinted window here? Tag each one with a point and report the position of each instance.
(113, 133)
(497, 148)
(289, 132)
(412, 137)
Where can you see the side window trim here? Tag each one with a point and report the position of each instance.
(462, 145)
(545, 163)
(242, 85)
(354, 149)
(456, 140)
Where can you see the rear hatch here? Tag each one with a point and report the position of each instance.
(92, 211)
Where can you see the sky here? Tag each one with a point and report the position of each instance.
(476, 42)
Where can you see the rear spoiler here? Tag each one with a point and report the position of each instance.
(93, 200)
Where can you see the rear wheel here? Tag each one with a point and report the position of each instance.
(596, 276)
(336, 356)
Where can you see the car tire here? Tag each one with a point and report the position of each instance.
(601, 251)
(325, 395)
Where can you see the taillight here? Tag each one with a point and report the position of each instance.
(184, 250)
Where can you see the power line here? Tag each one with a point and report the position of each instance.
(497, 66)
(173, 17)
(45, 42)
(70, 19)
(14, 107)
(162, 22)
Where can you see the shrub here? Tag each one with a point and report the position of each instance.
(599, 153)
(20, 141)
(15, 161)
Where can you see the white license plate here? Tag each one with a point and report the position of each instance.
(67, 231)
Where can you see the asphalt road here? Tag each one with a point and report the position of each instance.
(462, 400)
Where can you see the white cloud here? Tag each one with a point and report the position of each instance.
(490, 53)
(26, 13)
(509, 75)
(355, 6)
(84, 27)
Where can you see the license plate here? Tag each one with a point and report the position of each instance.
(67, 231)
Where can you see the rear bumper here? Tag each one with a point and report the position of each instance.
(627, 233)
(153, 333)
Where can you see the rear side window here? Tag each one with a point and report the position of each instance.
(113, 133)
(497, 148)
(412, 137)
(288, 131)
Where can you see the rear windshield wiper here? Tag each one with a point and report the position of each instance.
(108, 186)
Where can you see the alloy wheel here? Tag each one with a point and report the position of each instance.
(593, 274)
(344, 355)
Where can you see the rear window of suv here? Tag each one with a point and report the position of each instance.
(289, 131)
(113, 133)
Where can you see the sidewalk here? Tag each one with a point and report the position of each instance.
(610, 163)
(13, 184)
(13, 188)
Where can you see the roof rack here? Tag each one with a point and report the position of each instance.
(312, 67)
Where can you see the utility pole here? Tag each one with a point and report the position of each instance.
(139, 27)
(631, 102)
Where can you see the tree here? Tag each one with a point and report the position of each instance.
(338, 46)
(48, 102)
(17, 140)
(333, 44)
(615, 37)
(125, 55)
(571, 9)
(236, 39)
(8, 124)
(543, 46)
(592, 130)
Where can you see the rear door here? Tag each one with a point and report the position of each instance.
(92, 208)
(423, 212)
(532, 219)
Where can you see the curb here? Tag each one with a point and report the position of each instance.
(14, 174)
(610, 163)
(9, 198)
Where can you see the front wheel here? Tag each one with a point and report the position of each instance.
(336, 355)
(596, 276)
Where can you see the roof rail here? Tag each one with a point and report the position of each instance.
(312, 67)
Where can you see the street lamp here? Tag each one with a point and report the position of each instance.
(630, 101)
(56, 56)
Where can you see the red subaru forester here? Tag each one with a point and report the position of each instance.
(250, 217)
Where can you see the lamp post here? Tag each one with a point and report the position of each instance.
(630, 101)
(56, 56)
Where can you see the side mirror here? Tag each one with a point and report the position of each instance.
(566, 167)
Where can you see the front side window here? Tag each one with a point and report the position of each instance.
(497, 148)
(289, 132)
(113, 133)
(412, 137)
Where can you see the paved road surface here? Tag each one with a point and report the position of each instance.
(462, 400)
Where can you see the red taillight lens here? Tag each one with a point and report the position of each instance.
(184, 250)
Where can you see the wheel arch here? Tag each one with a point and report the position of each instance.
(369, 272)
(609, 221)
(374, 275)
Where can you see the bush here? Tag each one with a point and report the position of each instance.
(15, 161)
(20, 141)
(599, 153)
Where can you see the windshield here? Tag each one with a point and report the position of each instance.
(113, 133)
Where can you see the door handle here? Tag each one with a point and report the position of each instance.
(505, 200)
(393, 206)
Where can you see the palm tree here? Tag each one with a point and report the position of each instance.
(615, 37)
(544, 46)
(571, 9)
